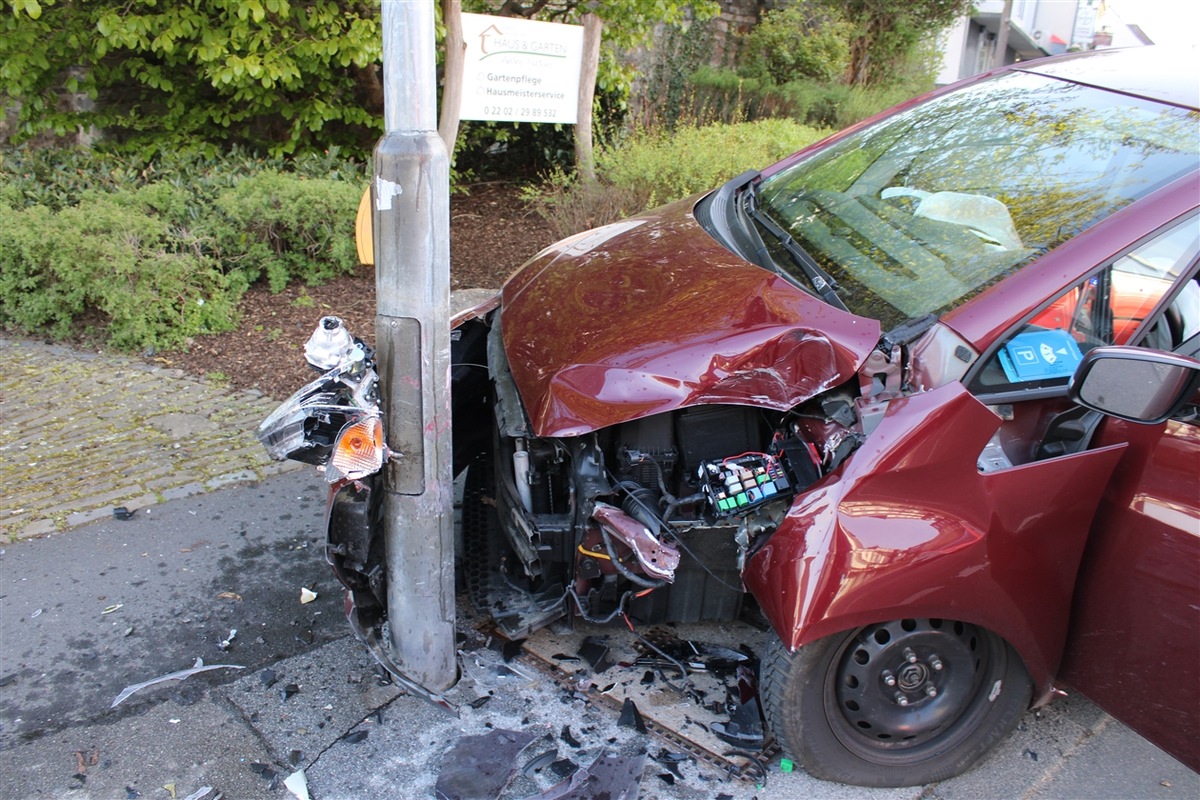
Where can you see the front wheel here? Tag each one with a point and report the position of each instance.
(901, 703)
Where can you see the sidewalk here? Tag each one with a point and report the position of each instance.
(82, 434)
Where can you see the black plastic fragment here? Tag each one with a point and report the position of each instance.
(671, 761)
(512, 649)
(566, 736)
(563, 767)
(667, 778)
(648, 677)
(744, 728)
(354, 737)
(122, 513)
(631, 717)
(595, 651)
(288, 691)
(268, 678)
(479, 702)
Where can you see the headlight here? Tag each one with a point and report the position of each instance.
(358, 451)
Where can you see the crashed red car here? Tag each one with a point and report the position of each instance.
(840, 389)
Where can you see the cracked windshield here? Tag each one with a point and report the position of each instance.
(917, 214)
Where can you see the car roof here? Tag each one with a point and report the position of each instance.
(1164, 74)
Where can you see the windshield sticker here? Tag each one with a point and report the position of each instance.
(1038, 355)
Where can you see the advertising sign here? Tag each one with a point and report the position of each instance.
(518, 70)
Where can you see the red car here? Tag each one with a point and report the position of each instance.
(838, 389)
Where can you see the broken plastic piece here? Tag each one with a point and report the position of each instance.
(595, 652)
(297, 784)
(122, 513)
(631, 717)
(307, 595)
(288, 691)
(354, 737)
(744, 728)
(174, 676)
(540, 762)
(199, 793)
(609, 776)
(568, 738)
(480, 766)
(228, 640)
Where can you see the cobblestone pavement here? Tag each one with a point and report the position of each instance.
(81, 434)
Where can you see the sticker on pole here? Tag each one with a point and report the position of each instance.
(518, 70)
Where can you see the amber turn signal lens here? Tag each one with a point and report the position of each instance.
(358, 451)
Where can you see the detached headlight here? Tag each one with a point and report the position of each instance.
(358, 451)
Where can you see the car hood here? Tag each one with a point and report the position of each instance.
(652, 314)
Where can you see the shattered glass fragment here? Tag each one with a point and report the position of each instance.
(174, 676)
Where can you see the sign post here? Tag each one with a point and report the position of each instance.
(411, 222)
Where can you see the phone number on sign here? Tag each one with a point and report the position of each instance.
(522, 111)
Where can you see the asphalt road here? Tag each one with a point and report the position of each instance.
(88, 612)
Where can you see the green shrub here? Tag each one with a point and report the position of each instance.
(798, 41)
(653, 168)
(666, 167)
(283, 227)
(116, 254)
(154, 253)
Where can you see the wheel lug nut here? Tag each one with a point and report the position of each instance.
(931, 690)
(935, 662)
(901, 700)
(910, 656)
(888, 677)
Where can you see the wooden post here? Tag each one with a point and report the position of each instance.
(456, 50)
(585, 163)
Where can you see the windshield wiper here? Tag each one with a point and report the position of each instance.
(821, 282)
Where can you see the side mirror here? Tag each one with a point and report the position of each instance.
(1133, 383)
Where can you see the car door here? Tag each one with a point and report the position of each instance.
(1134, 641)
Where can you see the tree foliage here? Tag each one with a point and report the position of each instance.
(886, 32)
(800, 40)
(288, 74)
(278, 75)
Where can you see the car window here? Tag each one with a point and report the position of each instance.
(917, 214)
(1116, 305)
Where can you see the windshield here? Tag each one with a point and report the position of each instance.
(920, 212)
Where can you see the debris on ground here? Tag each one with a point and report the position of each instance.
(307, 595)
(297, 784)
(174, 676)
(482, 765)
(610, 776)
(631, 717)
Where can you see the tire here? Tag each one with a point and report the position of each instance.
(835, 704)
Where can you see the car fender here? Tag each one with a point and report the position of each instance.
(909, 527)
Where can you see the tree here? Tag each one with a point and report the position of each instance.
(886, 32)
(276, 75)
(279, 74)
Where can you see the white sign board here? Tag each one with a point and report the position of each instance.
(517, 70)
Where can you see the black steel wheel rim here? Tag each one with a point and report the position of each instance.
(897, 689)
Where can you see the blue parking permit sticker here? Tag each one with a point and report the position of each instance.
(1038, 355)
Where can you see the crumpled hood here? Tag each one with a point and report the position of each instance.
(651, 314)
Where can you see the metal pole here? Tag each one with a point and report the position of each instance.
(411, 195)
